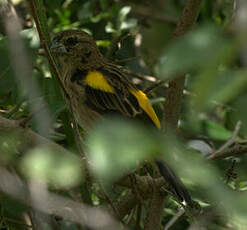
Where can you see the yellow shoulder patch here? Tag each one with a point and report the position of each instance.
(146, 105)
(96, 80)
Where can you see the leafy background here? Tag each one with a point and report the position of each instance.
(138, 36)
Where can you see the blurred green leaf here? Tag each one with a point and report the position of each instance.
(8, 148)
(219, 86)
(194, 50)
(116, 146)
(57, 169)
(63, 16)
(216, 131)
(103, 43)
(33, 37)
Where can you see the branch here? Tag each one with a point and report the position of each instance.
(173, 220)
(42, 29)
(154, 213)
(231, 140)
(176, 85)
(226, 151)
(173, 103)
(144, 186)
(230, 152)
(28, 137)
(43, 41)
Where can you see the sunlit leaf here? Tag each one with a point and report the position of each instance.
(123, 13)
(55, 168)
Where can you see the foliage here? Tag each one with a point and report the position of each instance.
(212, 56)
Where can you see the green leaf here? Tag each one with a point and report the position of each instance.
(123, 13)
(115, 146)
(109, 28)
(214, 86)
(216, 131)
(56, 168)
(192, 51)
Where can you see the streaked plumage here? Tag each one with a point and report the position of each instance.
(96, 87)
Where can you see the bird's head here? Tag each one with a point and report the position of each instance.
(77, 48)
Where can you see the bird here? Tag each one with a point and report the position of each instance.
(95, 87)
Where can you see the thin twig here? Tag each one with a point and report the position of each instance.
(115, 44)
(126, 60)
(174, 98)
(234, 151)
(45, 46)
(140, 75)
(231, 140)
(153, 86)
(230, 172)
(130, 216)
(176, 84)
(173, 220)
(108, 199)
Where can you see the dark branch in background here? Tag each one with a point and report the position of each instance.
(176, 85)
(174, 97)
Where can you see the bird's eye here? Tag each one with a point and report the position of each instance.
(71, 41)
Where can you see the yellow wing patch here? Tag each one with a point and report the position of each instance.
(96, 80)
(146, 105)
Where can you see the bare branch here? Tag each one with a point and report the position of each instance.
(231, 140)
(176, 85)
(174, 219)
(230, 152)
(173, 102)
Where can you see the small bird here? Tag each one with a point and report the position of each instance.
(97, 87)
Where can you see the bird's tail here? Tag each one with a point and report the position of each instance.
(175, 183)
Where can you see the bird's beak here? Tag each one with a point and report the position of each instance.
(57, 47)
